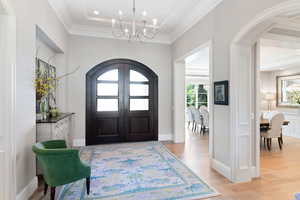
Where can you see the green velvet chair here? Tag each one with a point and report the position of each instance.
(60, 165)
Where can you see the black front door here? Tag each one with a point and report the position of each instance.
(121, 103)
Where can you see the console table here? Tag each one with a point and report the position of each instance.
(57, 128)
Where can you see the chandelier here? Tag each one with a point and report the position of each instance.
(134, 30)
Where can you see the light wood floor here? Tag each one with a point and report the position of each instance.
(280, 171)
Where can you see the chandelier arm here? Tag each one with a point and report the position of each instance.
(116, 34)
(153, 35)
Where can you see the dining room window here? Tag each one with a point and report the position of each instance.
(288, 90)
(197, 95)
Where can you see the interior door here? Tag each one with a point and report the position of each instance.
(121, 103)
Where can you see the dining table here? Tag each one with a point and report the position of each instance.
(266, 123)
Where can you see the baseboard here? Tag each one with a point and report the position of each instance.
(161, 137)
(254, 172)
(28, 190)
(221, 168)
(165, 137)
(78, 142)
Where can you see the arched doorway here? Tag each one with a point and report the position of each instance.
(245, 111)
(121, 103)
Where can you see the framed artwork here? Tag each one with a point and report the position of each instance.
(221, 93)
(45, 70)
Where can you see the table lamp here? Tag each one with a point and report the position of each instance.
(269, 97)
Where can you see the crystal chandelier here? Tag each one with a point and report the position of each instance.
(134, 30)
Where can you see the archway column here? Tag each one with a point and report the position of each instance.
(7, 102)
(240, 111)
(179, 102)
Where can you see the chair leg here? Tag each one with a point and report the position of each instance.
(265, 142)
(279, 142)
(269, 143)
(45, 188)
(52, 193)
(88, 182)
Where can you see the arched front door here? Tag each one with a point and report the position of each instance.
(121, 103)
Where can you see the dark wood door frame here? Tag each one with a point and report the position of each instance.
(153, 89)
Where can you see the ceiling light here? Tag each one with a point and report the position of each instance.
(144, 13)
(96, 12)
(134, 29)
(120, 12)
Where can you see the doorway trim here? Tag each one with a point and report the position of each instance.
(179, 96)
(7, 132)
(241, 117)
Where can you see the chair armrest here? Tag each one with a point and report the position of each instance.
(62, 166)
(55, 144)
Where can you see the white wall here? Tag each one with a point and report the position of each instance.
(221, 26)
(30, 13)
(87, 52)
(7, 99)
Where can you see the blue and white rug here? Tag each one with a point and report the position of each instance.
(136, 171)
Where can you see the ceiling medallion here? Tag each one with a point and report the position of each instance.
(134, 30)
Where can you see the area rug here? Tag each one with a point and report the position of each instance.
(136, 171)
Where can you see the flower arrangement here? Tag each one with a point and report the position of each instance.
(43, 86)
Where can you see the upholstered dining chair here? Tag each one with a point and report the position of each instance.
(197, 120)
(205, 120)
(189, 117)
(203, 108)
(275, 130)
(60, 165)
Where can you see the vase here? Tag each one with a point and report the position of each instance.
(43, 108)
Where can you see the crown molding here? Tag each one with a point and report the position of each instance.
(281, 38)
(63, 14)
(200, 11)
(102, 32)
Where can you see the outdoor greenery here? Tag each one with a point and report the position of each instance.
(196, 95)
(293, 97)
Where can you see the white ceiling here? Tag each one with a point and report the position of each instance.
(197, 64)
(277, 58)
(279, 52)
(280, 47)
(174, 16)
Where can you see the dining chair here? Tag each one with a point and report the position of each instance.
(203, 108)
(189, 117)
(205, 120)
(275, 130)
(193, 109)
(197, 120)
